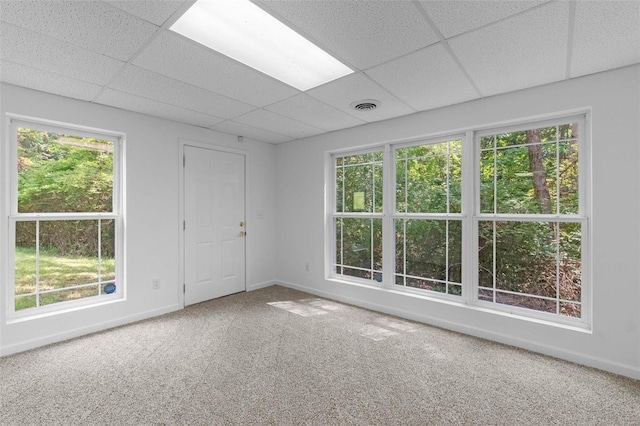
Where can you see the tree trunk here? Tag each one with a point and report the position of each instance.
(536, 167)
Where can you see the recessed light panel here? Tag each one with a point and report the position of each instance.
(241, 30)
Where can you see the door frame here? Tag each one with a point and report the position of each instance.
(181, 204)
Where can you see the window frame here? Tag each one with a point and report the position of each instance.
(470, 216)
(335, 215)
(116, 214)
(582, 216)
(394, 214)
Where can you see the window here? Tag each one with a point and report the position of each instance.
(357, 219)
(65, 220)
(506, 231)
(531, 224)
(428, 220)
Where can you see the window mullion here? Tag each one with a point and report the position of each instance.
(388, 207)
(469, 208)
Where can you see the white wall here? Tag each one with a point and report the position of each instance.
(286, 183)
(152, 216)
(614, 343)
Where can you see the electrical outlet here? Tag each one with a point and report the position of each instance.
(306, 266)
(155, 283)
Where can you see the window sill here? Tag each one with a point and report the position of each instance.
(439, 299)
(505, 312)
(75, 306)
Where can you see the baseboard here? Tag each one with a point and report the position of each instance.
(77, 332)
(578, 358)
(264, 284)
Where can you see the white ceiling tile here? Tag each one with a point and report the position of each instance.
(606, 36)
(154, 11)
(361, 33)
(240, 129)
(458, 16)
(275, 123)
(343, 92)
(150, 85)
(526, 50)
(174, 56)
(130, 102)
(28, 48)
(311, 111)
(45, 81)
(92, 25)
(426, 79)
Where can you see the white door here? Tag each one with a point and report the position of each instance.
(214, 257)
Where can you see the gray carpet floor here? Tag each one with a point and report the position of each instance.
(277, 356)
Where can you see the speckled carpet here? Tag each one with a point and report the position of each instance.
(277, 356)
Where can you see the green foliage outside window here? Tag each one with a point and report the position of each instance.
(60, 258)
(523, 262)
(64, 174)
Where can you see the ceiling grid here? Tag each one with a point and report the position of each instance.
(410, 56)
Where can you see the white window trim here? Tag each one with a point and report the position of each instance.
(13, 216)
(470, 216)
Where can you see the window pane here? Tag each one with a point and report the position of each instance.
(536, 171)
(570, 263)
(512, 138)
(486, 295)
(340, 188)
(486, 142)
(427, 184)
(487, 171)
(429, 254)
(25, 265)
(428, 178)
(65, 294)
(107, 253)
(525, 179)
(537, 265)
(526, 257)
(571, 309)
(568, 174)
(426, 249)
(401, 183)
(359, 247)
(60, 173)
(359, 184)
(455, 176)
(68, 258)
(485, 254)
(339, 225)
(521, 301)
(73, 259)
(377, 172)
(455, 251)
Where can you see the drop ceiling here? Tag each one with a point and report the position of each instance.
(409, 55)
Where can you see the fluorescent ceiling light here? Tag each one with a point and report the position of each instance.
(241, 30)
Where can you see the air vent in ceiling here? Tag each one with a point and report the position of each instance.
(365, 105)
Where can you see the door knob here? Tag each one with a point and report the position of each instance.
(242, 234)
